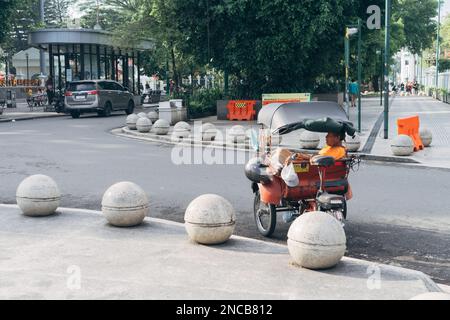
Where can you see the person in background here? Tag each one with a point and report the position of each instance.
(49, 88)
(353, 91)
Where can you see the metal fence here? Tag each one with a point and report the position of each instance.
(428, 79)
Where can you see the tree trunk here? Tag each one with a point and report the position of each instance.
(175, 73)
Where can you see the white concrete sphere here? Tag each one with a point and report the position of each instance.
(153, 116)
(210, 219)
(125, 204)
(316, 240)
(181, 130)
(38, 195)
(182, 125)
(142, 115)
(309, 140)
(402, 145)
(161, 127)
(432, 296)
(131, 121)
(426, 136)
(208, 131)
(143, 125)
(236, 134)
(352, 144)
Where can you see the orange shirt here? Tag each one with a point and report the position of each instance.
(335, 152)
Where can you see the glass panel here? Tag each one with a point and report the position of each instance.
(81, 86)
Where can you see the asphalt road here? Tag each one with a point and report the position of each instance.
(398, 214)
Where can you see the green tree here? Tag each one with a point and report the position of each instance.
(23, 19)
(56, 12)
(418, 24)
(7, 9)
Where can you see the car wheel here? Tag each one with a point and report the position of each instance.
(130, 108)
(75, 114)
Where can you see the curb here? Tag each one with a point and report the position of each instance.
(29, 118)
(125, 132)
(166, 139)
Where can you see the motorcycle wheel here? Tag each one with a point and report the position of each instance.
(265, 216)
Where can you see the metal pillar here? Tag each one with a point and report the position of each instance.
(359, 75)
(386, 68)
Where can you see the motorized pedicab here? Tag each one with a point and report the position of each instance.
(322, 181)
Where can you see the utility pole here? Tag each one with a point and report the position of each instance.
(437, 44)
(386, 68)
(381, 77)
(347, 62)
(41, 51)
(359, 75)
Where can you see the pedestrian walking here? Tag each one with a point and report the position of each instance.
(353, 91)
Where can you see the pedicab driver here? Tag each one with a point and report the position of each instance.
(335, 149)
(334, 146)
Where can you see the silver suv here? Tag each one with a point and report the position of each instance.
(101, 96)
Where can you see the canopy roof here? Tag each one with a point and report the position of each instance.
(44, 37)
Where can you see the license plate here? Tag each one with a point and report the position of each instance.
(301, 167)
(80, 97)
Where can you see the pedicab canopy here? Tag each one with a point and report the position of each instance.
(318, 116)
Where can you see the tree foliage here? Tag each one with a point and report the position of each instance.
(7, 8)
(56, 12)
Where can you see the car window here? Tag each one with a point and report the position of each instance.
(109, 85)
(81, 86)
(103, 85)
(117, 86)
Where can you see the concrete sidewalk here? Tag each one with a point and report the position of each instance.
(23, 112)
(433, 115)
(75, 254)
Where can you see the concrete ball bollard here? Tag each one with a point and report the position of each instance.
(181, 130)
(426, 136)
(309, 140)
(142, 115)
(352, 143)
(131, 121)
(208, 131)
(38, 195)
(143, 124)
(316, 240)
(153, 116)
(402, 145)
(236, 134)
(161, 127)
(125, 204)
(210, 219)
(432, 296)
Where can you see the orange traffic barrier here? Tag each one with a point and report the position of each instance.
(410, 127)
(241, 109)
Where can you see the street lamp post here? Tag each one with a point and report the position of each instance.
(437, 44)
(28, 70)
(380, 52)
(359, 75)
(386, 67)
(349, 31)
